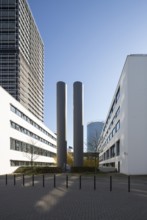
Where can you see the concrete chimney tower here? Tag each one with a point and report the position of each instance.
(78, 123)
(61, 125)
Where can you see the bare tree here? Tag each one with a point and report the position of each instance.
(93, 145)
(32, 152)
(93, 142)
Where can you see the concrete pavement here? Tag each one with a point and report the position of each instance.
(18, 202)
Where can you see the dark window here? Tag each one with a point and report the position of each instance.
(118, 148)
(107, 154)
(117, 94)
(112, 151)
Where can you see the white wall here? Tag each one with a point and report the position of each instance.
(6, 132)
(133, 117)
(137, 105)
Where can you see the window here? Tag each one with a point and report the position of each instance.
(12, 144)
(12, 2)
(107, 154)
(118, 111)
(112, 151)
(110, 136)
(117, 126)
(113, 106)
(113, 132)
(28, 163)
(117, 94)
(12, 109)
(24, 147)
(20, 114)
(118, 148)
(17, 145)
(12, 125)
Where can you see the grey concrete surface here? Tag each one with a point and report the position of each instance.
(78, 128)
(18, 202)
(61, 124)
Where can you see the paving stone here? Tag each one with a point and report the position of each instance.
(37, 202)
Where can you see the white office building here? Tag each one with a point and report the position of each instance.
(20, 134)
(123, 142)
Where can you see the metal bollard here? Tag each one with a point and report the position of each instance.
(43, 182)
(33, 180)
(94, 182)
(6, 179)
(80, 182)
(110, 183)
(14, 180)
(128, 183)
(23, 180)
(54, 180)
(66, 181)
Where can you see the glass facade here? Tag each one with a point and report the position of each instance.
(30, 121)
(29, 133)
(9, 57)
(25, 147)
(21, 55)
(17, 163)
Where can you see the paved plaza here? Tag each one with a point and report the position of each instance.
(70, 199)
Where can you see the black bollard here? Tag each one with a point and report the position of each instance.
(23, 180)
(54, 180)
(14, 180)
(33, 180)
(43, 182)
(66, 181)
(80, 182)
(110, 183)
(128, 183)
(94, 182)
(6, 179)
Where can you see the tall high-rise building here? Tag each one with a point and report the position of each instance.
(21, 55)
(94, 130)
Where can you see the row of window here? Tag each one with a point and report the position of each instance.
(6, 24)
(27, 163)
(30, 121)
(8, 69)
(111, 135)
(7, 13)
(8, 2)
(31, 134)
(113, 107)
(112, 122)
(29, 148)
(8, 56)
(113, 151)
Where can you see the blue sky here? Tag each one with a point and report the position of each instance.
(87, 41)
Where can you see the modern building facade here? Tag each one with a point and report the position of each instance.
(22, 135)
(21, 55)
(123, 139)
(94, 130)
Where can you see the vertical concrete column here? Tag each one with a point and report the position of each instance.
(78, 123)
(61, 124)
